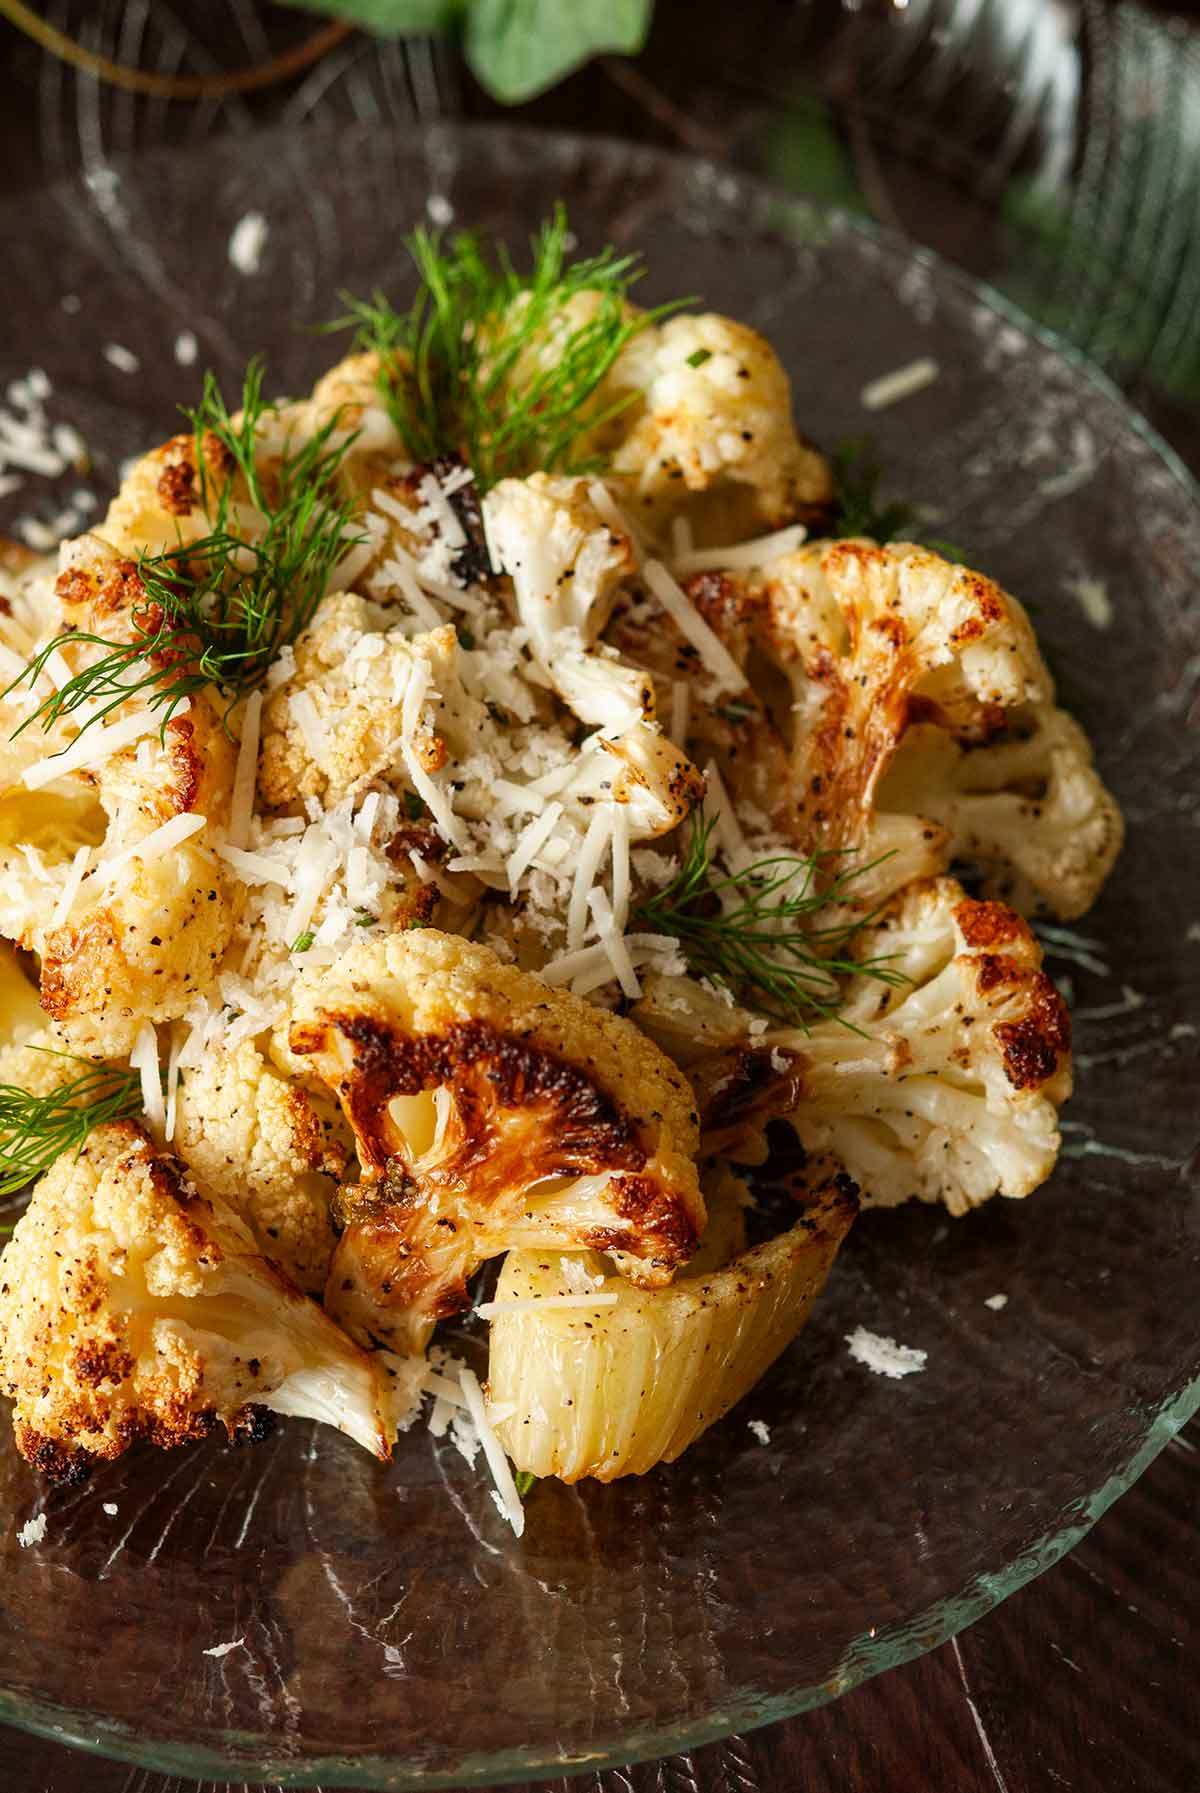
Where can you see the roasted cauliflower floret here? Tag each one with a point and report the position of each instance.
(947, 1086)
(160, 502)
(350, 396)
(490, 1112)
(272, 1150)
(124, 938)
(567, 565)
(334, 725)
(846, 645)
(710, 436)
(132, 1306)
(612, 1390)
(1029, 808)
(167, 499)
(641, 769)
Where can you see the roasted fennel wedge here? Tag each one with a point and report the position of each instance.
(613, 1388)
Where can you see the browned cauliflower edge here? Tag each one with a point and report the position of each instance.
(490, 1112)
(134, 1307)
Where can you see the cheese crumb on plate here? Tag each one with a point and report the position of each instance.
(883, 1355)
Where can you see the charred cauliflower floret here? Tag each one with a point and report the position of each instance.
(567, 565)
(133, 1307)
(135, 936)
(490, 1112)
(335, 724)
(1029, 808)
(161, 500)
(945, 1087)
(168, 498)
(643, 770)
(710, 435)
(848, 645)
(270, 1149)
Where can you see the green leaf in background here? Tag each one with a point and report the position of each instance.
(391, 18)
(518, 48)
(800, 146)
(515, 48)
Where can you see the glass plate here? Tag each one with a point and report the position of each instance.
(389, 1629)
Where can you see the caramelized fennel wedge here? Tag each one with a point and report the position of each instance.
(613, 1390)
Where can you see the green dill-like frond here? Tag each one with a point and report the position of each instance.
(217, 610)
(858, 509)
(758, 930)
(491, 364)
(857, 506)
(35, 1130)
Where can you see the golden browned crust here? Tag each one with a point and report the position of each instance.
(520, 1115)
(1036, 1043)
(558, 1122)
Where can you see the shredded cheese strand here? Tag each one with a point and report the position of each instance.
(692, 626)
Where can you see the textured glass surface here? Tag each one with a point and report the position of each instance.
(389, 1629)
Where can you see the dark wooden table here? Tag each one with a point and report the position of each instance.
(1087, 1680)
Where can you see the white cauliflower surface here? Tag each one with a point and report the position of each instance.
(544, 845)
(132, 1306)
(949, 1088)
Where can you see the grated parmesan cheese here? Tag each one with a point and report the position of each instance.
(144, 1060)
(620, 866)
(70, 890)
(718, 809)
(247, 240)
(90, 749)
(487, 1310)
(151, 846)
(123, 359)
(33, 1531)
(530, 842)
(613, 944)
(901, 383)
(883, 1355)
(508, 1500)
(743, 554)
(692, 626)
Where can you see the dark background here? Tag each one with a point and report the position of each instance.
(1085, 1680)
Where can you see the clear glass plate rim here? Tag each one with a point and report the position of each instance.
(866, 1656)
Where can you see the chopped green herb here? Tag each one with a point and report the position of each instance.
(217, 611)
(414, 807)
(859, 511)
(302, 942)
(698, 357)
(465, 638)
(857, 506)
(744, 929)
(737, 710)
(364, 919)
(467, 369)
(525, 1480)
(35, 1130)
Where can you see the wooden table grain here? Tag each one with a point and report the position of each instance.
(1088, 1680)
